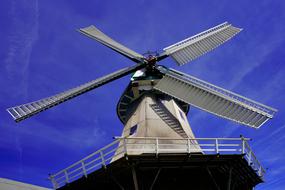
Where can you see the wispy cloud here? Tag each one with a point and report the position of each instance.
(23, 35)
(84, 136)
(273, 136)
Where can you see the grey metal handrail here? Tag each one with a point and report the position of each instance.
(138, 145)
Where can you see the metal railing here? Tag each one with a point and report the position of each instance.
(156, 145)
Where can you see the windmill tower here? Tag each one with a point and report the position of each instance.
(157, 99)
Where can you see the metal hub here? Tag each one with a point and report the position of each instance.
(151, 60)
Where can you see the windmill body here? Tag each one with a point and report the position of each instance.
(146, 112)
(156, 102)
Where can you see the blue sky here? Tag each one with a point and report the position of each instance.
(41, 54)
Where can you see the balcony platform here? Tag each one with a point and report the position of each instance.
(223, 163)
(171, 171)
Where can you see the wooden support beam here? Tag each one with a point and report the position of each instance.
(155, 179)
(213, 179)
(117, 182)
(230, 178)
(135, 179)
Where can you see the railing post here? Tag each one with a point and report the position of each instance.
(84, 169)
(249, 157)
(102, 158)
(259, 171)
(243, 144)
(66, 176)
(188, 145)
(217, 145)
(125, 145)
(54, 184)
(156, 143)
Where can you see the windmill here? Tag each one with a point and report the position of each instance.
(167, 91)
(157, 99)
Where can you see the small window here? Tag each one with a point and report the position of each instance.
(133, 130)
(181, 115)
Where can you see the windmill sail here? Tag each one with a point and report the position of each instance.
(95, 33)
(214, 99)
(195, 46)
(24, 111)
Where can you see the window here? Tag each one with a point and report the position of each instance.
(133, 130)
(181, 115)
